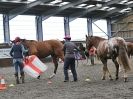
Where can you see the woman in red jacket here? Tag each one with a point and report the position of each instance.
(92, 53)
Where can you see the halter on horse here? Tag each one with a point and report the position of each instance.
(110, 49)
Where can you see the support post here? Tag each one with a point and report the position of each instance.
(89, 26)
(39, 30)
(6, 28)
(109, 28)
(66, 26)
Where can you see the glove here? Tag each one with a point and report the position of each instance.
(26, 60)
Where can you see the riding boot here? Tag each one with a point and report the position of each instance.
(22, 77)
(17, 78)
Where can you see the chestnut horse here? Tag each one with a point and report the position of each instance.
(110, 49)
(129, 52)
(44, 49)
(129, 48)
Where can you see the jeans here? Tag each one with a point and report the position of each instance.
(92, 59)
(70, 63)
(18, 64)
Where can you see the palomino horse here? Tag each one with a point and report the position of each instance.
(110, 49)
(44, 49)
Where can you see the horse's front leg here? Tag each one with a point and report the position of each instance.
(55, 61)
(117, 68)
(105, 70)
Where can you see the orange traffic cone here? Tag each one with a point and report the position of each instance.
(2, 83)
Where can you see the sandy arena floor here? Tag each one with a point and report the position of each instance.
(93, 89)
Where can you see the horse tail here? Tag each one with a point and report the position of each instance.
(122, 55)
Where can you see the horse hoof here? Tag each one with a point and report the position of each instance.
(103, 78)
(116, 78)
(111, 79)
(125, 79)
(38, 77)
(52, 75)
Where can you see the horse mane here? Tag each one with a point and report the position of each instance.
(52, 42)
(98, 38)
(94, 40)
(23, 40)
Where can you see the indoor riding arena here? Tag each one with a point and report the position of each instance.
(41, 26)
(89, 85)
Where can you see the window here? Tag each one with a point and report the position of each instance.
(53, 28)
(102, 24)
(78, 29)
(23, 26)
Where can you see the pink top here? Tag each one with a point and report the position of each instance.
(92, 51)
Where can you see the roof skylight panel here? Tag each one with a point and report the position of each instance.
(31, 0)
(130, 2)
(104, 8)
(99, 5)
(89, 6)
(54, 2)
(124, 1)
(112, 8)
(98, 0)
(125, 10)
(63, 3)
(82, 5)
(107, 0)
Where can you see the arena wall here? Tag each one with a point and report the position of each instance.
(6, 59)
(123, 28)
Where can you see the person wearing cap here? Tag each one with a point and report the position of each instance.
(69, 60)
(17, 53)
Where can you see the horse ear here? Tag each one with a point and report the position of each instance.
(22, 40)
(89, 36)
(86, 36)
(12, 41)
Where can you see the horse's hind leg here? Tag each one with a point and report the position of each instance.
(117, 68)
(55, 61)
(125, 76)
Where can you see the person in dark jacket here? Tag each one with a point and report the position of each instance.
(17, 53)
(69, 60)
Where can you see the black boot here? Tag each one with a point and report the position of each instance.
(17, 78)
(22, 77)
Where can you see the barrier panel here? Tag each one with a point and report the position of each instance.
(34, 67)
(5, 59)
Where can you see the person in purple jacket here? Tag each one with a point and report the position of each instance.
(17, 53)
(69, 60)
